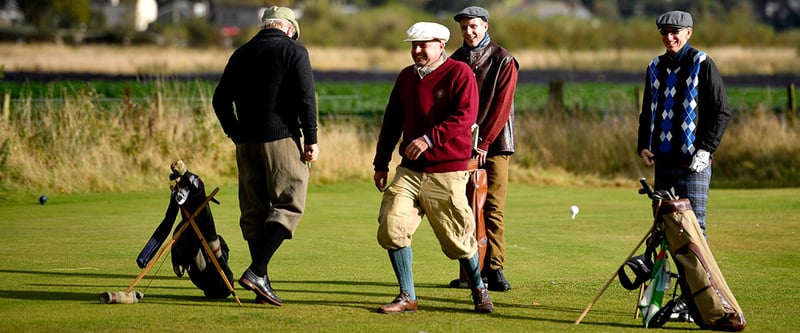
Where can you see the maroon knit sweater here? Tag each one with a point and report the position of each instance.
(443, 105)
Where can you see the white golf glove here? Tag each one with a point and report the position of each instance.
(700, 160)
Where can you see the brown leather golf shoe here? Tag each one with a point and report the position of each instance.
(483, 303)
(402, 303)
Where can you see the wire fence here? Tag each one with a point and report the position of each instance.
(554, 98)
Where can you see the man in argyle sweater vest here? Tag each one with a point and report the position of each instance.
(684, 114)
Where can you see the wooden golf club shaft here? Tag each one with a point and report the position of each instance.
(586, 311)
(213, 258)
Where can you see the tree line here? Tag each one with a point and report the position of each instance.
(368, 23)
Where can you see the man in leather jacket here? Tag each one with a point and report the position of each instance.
(496, 72)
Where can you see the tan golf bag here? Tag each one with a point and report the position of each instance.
(711, 303)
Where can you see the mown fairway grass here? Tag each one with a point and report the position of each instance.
(59, 257)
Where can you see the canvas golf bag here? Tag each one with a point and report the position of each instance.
(188, 252)
(477, 187)
(705, 295)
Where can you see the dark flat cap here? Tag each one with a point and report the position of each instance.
(675, 18)
(472, 11)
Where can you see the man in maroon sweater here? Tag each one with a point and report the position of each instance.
(432, 107)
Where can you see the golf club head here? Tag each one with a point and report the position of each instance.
(665, 195)
(656, 195)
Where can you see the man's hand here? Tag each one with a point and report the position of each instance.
(416, 148)
(647, 156)
(480, 155)
(380, 179)
(700, 160)
(310, 153)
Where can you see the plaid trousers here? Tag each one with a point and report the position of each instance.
(687, 184)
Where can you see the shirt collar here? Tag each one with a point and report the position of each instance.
(485, 41)
(423, 71)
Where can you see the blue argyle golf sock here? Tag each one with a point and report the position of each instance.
(472, 268)
(401, 263)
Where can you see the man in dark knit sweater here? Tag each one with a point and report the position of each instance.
(265, 102)
(432, 107)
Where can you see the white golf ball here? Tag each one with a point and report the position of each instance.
(574, 210)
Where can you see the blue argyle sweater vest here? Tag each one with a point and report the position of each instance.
(673, 106)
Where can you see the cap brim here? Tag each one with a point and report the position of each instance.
(460, 17)
(423, 40)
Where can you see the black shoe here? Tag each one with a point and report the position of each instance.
(457, 283)
(262, 288)
(497, 281)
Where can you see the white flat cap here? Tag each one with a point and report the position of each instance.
(425, 31)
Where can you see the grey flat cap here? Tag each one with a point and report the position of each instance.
(472, 11)
(675, 18)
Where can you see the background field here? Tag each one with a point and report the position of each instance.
(59, 257)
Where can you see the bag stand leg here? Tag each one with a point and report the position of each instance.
(641, 293)
(177, 235)
(589, 307)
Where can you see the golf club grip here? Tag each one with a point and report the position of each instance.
(646, 187)
(154, 243)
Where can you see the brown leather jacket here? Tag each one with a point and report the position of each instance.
(496, 71)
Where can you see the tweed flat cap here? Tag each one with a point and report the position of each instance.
(675, 18)
(472, 11)
(425, 31)
(285, 13)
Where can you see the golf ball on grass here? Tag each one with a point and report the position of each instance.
(574, 210)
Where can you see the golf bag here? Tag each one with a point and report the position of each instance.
(712, 303)
(476, 194)
(705, 295)
(188, 253)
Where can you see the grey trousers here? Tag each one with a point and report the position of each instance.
(273, 182)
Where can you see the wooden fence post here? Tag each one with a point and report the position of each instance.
(639, 95)
(157, 103)
(555, 99)
(792, 112)
(6, 106)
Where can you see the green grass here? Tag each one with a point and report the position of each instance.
(369, 99)
(59, 257)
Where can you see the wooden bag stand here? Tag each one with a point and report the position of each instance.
(477, 190)
(583, 314)
(178, 234)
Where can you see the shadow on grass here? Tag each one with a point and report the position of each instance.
(83, 273)
(355, 299)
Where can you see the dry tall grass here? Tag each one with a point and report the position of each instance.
(81, 145)
(171, 60)
(761, 150)
(77, 145)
